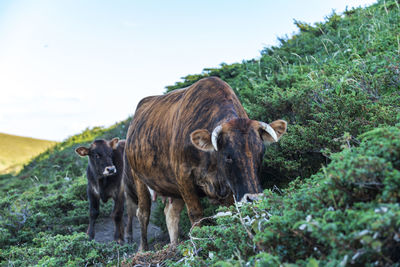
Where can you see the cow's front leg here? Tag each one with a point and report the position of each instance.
(117, 216)
(172, 213)
(192, 201)
(94, 204)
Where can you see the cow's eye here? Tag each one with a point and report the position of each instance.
(97, 156)
(228, 159)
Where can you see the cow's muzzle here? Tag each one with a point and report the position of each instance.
(109, 170)
(251, 197)
(223, 192)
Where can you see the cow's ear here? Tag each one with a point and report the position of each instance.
(279, 127)
(114, 143)
(201, 139)
(82, 151)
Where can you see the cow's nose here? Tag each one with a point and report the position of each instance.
(247, 198)
(110, 170)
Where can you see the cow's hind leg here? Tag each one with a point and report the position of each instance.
(172, 213)
(143, 212)
(117, 215)
(131, 208)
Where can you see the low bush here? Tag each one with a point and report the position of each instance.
(346, 214)
(65, 250)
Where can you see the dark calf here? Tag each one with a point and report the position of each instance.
(104, 174)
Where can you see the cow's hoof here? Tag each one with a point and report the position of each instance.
(90, 236)
(143, 248)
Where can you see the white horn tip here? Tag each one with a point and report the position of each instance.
(269, 130)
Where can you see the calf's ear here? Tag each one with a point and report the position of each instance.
(201, 139)
(114, 143)
(279, 127)
(82, 151)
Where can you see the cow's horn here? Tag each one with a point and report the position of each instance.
(269, 130)
(214, 136)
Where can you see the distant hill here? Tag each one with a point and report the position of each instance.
(17, 150)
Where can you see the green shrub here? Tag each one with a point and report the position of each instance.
(346, 214)
(65, 250)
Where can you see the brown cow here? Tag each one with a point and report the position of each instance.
(195, 142)
(104, 174)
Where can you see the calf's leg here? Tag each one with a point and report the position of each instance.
(94, 203)
(117, 216)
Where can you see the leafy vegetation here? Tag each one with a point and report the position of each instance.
(346, 214)
(16, 151)
(332, 183)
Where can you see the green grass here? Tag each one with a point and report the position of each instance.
(15, 151)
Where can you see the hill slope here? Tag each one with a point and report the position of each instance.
(337, 83)
(17, 150)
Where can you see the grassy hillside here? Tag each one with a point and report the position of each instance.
(16, 151)
(332, 183)
(336, 77)
(337, 83)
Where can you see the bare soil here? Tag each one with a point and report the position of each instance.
(104, 228)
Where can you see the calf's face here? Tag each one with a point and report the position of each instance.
(100, 154)
(239, 146)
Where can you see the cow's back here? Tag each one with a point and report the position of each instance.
(205, 105)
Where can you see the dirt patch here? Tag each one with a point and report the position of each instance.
(150, 258)
(104, 228)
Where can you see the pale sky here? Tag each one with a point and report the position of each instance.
(67, 65)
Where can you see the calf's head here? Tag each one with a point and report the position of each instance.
(239, 146)
(100, 154)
